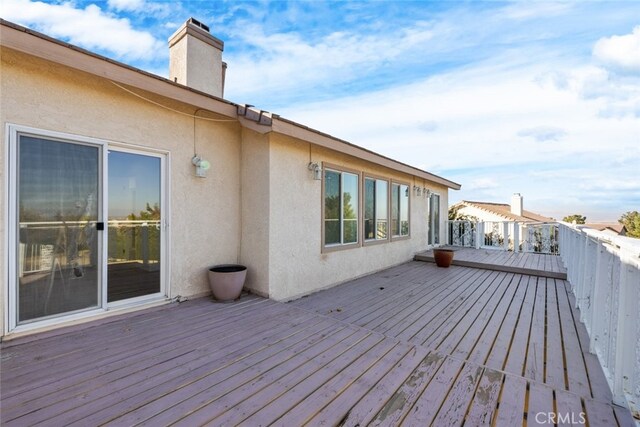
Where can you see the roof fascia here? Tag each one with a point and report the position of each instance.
(295, 130)
(41, 46)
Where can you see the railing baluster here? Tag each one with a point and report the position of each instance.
(605, 276)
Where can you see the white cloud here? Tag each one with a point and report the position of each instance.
(532, 10)
(620, 52)
(285, 61)
(90, 28)
(543, 133)
(143, 6)
(126, 5)
(482, 184)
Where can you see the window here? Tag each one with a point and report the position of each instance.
(340, 208)
(376, 209)
(434, 219)
(399, 210)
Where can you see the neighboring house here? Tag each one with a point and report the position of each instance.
(107, 202)
(613, 228)
(497, 220)
(486, 211)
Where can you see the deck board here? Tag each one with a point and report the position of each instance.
(441, 346)
(533, 264)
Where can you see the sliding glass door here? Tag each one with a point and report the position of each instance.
(86, 221)
(135, 225)
(58, 212)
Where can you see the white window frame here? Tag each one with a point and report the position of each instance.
(375, 179)
(430, 235)
(328, 247)
(400, 236)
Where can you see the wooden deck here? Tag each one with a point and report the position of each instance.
(411, 345)
(532, 264)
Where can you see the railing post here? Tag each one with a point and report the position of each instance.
(624, 380)
(479, 234)
(597, 306)
(516, 237)
(505, 233)
(145, 244)
(580, 270)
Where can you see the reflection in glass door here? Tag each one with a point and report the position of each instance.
(58, 207)
(134, 225)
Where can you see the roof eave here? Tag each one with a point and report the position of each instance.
(41, 46)
(296, 130)
(33, 43)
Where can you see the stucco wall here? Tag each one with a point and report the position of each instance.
(255, 210)
(204, 221)
(297, 264)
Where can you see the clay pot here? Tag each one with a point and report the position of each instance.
(226, 281)
(443, 257)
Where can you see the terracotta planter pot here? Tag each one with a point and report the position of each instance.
(443, 257)
(226, 281)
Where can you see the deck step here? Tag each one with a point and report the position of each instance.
(427, 256)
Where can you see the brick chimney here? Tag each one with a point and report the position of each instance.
(195, 58)
(516, 204)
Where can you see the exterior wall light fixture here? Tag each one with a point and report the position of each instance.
(316, 169)
(201, 165)
(417, 190)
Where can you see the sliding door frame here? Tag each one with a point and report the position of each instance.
(12, 134)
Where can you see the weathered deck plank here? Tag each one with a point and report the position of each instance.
(532, 264)
(441, 346)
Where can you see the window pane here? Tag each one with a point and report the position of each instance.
(382, 209)
(404, 210)
(395, 209)
(134, 229)
(331, 207)
(369, 208)
(58, 205)
(350, 207)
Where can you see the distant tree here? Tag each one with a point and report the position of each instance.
(579, 219)
(631, 221)
(455, 215)
(150, 213)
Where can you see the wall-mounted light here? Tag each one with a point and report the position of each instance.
(201, 165)
(426, 192)
(417, 190)
(316, 169)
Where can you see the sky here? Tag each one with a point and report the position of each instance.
(538, 98)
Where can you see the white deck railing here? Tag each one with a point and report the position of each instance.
(604, 272)
(540, 237)
(129, 240)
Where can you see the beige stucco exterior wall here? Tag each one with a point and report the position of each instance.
(204, 213)
(297, 264)
(259, 204)
(255, 210)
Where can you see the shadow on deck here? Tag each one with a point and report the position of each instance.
(411, 345)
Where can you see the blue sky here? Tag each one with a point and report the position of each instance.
(541, 98)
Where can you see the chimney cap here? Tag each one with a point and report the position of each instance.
(198, 24)
(198, 30)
